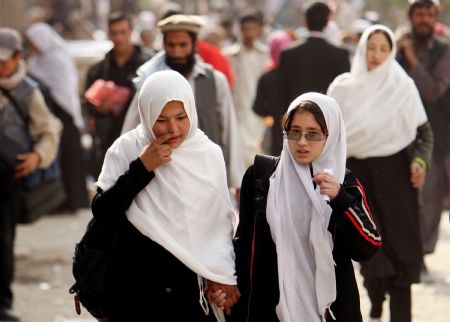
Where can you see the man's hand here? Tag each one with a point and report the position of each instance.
(156, 153)
(405, 44)
(29, 162)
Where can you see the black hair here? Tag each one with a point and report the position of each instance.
(317, 14)
(119, 16)
(416, 4)
(384, 33)
(251, 15)
(305, 106)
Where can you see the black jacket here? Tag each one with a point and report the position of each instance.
(310, 67)
(107, 127)
(354, 234)
(145, 282)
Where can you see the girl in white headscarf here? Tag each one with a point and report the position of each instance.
(389, 146)
(300, 228)
(166, 182)
(52, 66)
(52, 63)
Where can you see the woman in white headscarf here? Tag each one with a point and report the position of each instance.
(303, 218)
(52, 66)
(165, 181)
(389, 145)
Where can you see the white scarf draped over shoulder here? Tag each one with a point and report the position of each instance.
(186, 207)
(299, 217)
(54, 66)
(382, 108)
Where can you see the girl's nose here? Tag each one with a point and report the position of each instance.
(172, 127)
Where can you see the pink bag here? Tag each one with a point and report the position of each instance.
(111, 97)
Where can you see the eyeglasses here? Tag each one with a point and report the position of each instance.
(309, 136)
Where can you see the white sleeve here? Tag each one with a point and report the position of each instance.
(235, 163)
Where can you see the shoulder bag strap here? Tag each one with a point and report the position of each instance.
(16, 105)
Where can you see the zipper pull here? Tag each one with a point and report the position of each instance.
(77, 304)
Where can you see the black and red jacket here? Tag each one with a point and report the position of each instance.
(351, 225)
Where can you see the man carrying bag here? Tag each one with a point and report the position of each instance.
(25, 125)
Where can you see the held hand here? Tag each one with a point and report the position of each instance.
(29, 162)
(329, 185)
(156, 153)
(224, 296)
(417, 175)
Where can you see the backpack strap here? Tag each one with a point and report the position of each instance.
(264, 166)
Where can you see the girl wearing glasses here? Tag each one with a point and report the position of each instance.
(389, 146)
(303, 218)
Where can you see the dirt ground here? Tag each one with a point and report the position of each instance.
(44, 253)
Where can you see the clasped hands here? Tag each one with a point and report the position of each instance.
(224, 296)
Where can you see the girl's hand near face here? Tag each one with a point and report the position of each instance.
(329, 185)
(156, 153)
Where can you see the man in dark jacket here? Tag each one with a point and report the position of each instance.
(119, 65)
(427, 61)
(312, 65)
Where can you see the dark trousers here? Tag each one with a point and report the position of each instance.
(433, 194)
(7, 235)
(400, 298)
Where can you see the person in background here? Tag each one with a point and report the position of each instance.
(147, 27)
(119, 65)
(303, 219)
(389, 148)
(209, 49)
(312, 65)
(267, 100)
(215, 108)
(43, 129)
(248, 58)
(427, 60)
(51, 63)
(164, 184)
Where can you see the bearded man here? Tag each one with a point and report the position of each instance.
(215, 110)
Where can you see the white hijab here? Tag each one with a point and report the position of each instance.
(186, 207)
(298, 217)
(54, 66)
(381, 108)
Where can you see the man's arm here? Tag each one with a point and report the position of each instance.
(432, 86)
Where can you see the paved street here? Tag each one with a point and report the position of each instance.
(43, 273)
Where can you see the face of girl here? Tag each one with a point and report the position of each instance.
(378, 50)
(306, 151)
(173, 119)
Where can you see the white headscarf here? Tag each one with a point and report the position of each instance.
(298, 217)
(381, 108)
(186, 207)
(54, 66)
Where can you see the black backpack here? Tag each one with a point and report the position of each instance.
(90, 266)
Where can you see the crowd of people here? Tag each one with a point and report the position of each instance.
(210, 227)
